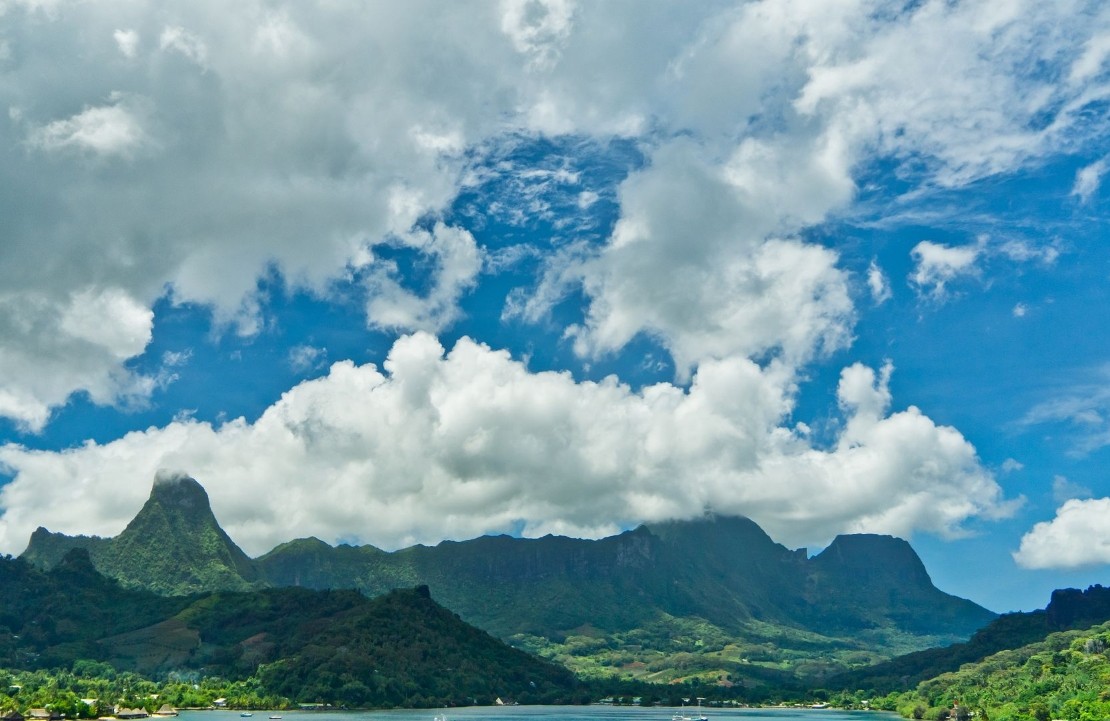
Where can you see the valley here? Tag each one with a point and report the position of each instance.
(711, 608)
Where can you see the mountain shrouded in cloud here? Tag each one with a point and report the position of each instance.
(865, 593)
(669, 247)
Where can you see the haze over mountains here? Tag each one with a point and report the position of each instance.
(717, 585)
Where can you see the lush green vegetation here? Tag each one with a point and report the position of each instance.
(1069, 609)
(82, 643)
(90, 689)
(670, 650)
(174, 546)
(281, 645)
(708, 600)
(1066, 676)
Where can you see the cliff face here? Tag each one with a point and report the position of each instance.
(725, 570)
(1072, 608)
(867, 571)
(722, 570)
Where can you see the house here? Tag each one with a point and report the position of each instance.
(12, 716)
(42, 714)
(166, 710)
(129, 713)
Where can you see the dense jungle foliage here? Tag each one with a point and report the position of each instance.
(289, 645)
(710, 599)
(1066, 676)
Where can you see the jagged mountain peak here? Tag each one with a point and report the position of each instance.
(179, 491)
(722, 570)
(178, 506)
(183, 544)
(46, 549)
(174, 544)
(169, 481)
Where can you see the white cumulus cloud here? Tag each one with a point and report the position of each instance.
(106, 130)
(938, 265)
(1079, 535)
(286, 133)
(57, 345)
(457, 444)
(177, 39)
(878, 284)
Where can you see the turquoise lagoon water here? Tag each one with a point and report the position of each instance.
(548, 713)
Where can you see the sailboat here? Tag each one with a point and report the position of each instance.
(681, 714)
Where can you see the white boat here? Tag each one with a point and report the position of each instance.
(681, 714)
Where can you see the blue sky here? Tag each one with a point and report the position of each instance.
(393, 274)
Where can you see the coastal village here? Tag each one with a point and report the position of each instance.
(42, 714)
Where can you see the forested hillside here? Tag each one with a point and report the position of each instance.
(340, 647)
(1066, 676)
(713, 599)
(1068, 609)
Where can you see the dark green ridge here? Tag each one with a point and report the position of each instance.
(645, 602)
(399, 649)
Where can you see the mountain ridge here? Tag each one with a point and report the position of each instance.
(176, 538)
(399, 649)
(631, 598)
(1068, 609)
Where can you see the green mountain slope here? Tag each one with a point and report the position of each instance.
(173, 546)
(711, 598)
(1064, 676)
(726, 571)
(335, 646)
(863, 579)
(1068, 609)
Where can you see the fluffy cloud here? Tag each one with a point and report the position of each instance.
(305, 358)
(538, 28)
(878, 284)
(195, 147)
(458, 261)
(1079, 535)
(692, 262)
(937, 265)
(127, 41)
(115, 129)
(438, 445)
(53, 345)
(1088, 179)
(187, 150)
(779, 103)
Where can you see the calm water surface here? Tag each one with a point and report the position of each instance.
(547, 713)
